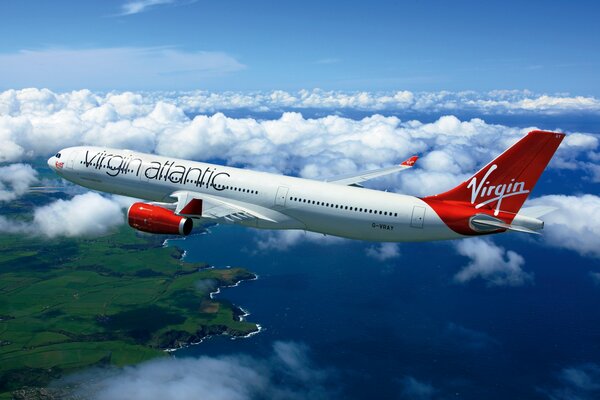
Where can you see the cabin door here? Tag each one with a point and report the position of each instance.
(281, 196)
(418, 216)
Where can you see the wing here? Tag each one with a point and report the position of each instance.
(357, 178)
(199, 205)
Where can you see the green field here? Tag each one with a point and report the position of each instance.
(119, 299)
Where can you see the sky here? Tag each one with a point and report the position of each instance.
(546, 47)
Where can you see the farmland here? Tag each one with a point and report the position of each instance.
(120, 299)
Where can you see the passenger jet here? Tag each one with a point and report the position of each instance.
(180, 192)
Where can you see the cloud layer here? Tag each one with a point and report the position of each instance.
(494, 102)
(287, 374)
(38, 122)
(164, 62)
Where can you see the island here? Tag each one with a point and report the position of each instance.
(67, 304)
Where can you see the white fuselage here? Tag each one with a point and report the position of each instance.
(290, 202)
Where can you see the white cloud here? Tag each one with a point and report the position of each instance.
(580, 382)
(384, 251)
(585, 377)
(413, 389)
(595, 276)
(459, 336)
(13, 226)
(15, 180)
(581, 141)
(116, 67)
(575, 225)
(88, 214)
(123, 201)
(493, 264)
(139, 6)
(545, 103)
(287, 374)
(284, 240)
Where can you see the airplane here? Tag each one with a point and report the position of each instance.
(179, 192)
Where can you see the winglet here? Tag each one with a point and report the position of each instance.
(410, 162)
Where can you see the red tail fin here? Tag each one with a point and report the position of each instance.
(505, 183)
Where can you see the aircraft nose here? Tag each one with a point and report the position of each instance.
(51, 162)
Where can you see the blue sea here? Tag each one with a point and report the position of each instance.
(377, 324)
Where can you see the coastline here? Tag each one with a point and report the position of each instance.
(239, 312)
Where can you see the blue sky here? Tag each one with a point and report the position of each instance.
(547, 47)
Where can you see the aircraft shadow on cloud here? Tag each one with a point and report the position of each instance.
(181, 192)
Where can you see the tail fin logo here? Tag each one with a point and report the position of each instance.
(480, 191)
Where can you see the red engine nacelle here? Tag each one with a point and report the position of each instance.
(154, 219)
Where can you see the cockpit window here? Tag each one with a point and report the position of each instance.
(57, 155)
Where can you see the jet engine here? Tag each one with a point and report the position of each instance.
(154, 219)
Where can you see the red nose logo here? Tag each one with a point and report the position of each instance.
(59, 164)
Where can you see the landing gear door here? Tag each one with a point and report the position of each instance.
(281, 196)
(418, 217)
